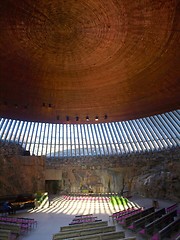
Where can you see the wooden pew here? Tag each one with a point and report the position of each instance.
(178, 237)
(128, 238)
(126, 214)
(32, 223)
(102, 236)
(83, 232)
(172, 208)
(26, 223)
(83, 226)
(127, 221)
(84, 215)
(83, 220)
(121, 213)
(168, 230)
(140, 223)
(86, 221)
(5, 234)
(158, 224)
(14, 228)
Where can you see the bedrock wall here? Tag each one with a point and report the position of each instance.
(20, 174)
(150, 174)
(154, 175)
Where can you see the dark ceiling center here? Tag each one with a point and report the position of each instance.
(118, 59)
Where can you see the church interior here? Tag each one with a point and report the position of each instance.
(90, 119)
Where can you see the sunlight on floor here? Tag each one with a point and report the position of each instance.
(81, 206)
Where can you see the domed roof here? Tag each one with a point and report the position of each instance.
(77, 60)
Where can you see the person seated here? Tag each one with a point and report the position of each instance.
(12, 209)
(8, 208)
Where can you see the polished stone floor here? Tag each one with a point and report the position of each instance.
(61, 211)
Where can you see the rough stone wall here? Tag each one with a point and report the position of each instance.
(10, 149)
(20, 174)
(150, 174)
(159, 179)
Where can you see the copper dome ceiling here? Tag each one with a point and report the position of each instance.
(66, 60)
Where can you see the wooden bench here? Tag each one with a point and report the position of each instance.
(82, 216)
(140, 223)
(168, 230)
(102, 236)
(32, 223)
(158, 224)
(26, 223)
(83, 220)
(171, 208)
(127, 221)
(178, 237)
(85, 217)
(128, 238)
(14, 228)
(121, 213)
(83, 232)
(5, 234)
(83, 226)
(127, 214)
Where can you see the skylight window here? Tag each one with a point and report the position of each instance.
(66, 140)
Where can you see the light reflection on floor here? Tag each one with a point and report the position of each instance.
(82, 206)
(62, 211)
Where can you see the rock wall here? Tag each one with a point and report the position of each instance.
(150, 174)
(10, 149)
(159, 180)
(20, 174)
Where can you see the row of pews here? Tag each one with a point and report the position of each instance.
(84, 219)
(150, 223)
(140, 223)
(13, 227)
(98, 230)
(119, 216)
(87, 198)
